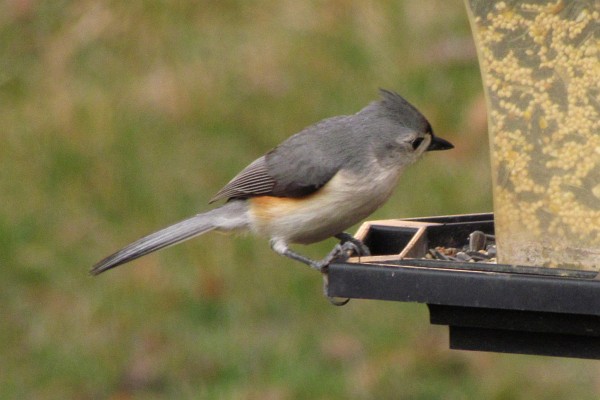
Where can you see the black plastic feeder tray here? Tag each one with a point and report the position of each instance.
(488, 307)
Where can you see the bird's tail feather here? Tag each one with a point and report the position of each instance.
(228, 217)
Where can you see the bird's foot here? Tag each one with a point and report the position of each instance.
(361, 249)
(341, 251)
(347, 247)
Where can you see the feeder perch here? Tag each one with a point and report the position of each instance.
(489, 307)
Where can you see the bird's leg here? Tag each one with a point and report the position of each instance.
(360, 248)
(339, 251)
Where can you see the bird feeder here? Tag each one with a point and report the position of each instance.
(541, 72)
(539, 292)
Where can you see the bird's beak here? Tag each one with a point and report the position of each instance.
(438, 143)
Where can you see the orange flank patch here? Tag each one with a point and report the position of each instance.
(266, 208)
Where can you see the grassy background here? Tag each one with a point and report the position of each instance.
(118, 118)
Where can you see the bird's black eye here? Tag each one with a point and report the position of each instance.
(416, 143)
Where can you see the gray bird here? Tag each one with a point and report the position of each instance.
(313, 186)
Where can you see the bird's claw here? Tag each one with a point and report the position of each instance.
(337, 302)
(333, 300)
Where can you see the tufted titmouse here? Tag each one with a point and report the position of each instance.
(312, 186)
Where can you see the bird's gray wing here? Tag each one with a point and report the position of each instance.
(254, 180)
(297, 167)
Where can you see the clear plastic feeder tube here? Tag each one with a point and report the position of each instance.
(541, 72)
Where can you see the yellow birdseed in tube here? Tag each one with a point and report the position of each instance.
(541, 71)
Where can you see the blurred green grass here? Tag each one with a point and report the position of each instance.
(118, 118)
